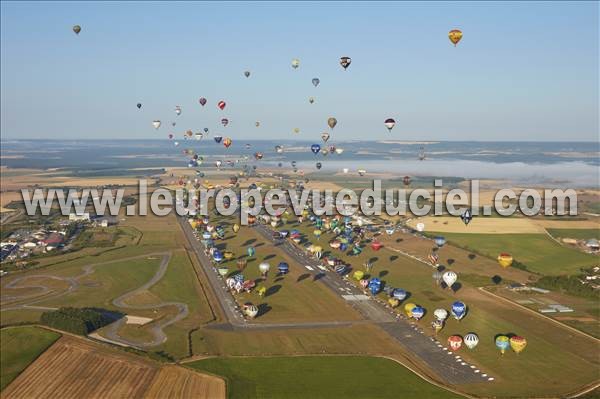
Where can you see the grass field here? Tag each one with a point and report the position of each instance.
(319, 377)
(538, 252)
(19, 347)
(578, 234)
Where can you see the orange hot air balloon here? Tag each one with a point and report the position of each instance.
(505, 260)
(455, 35)
(227, 142)
(518, 343)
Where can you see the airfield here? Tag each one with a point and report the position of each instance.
(183, 324)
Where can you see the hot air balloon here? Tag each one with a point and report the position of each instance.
(505, 260)
(295, 63)
(205, 130)
(236, 228)
(408, 309)
(264, 268)
(217, 256)
(315, 82)
(358, 275)
(257, 123)
(202, 101)
(417, 312)
(76, 29)
(518, 343)
(471, 340)
(283, 267)
(178, 110)
(250, 310)
(393, 302)
(227, 142)
(437, 325)
(390, 123)
(224, 122)
(251, 251)
(218, 139)
(364, 283)
(455, 35)
(221, 104)
(339, 151)
(374, 286)
(502, 343)
(406, 180)
(156, 124)
(433, 258)
(258, 156)
(449, 278)
(459, 309)
(455, 342)
(223, 271)
(331, 122)
(247, 74)
(361, 172)
(319, 165)
(279, 149)
(311, 100)
(439, 241)
(296, 130)
(440, 314)
(345, 62)
(139, 105)
(466, 217)
(315, 148)
(241, 264)
(420, 227)
(218, 163)
(376, 245)
(399, 294)
(325, 137)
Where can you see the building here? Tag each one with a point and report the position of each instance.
(593, 244)
(84, 217)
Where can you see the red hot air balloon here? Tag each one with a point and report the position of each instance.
(376, 245)
(455, 342)
(221, 104)
(227, 142)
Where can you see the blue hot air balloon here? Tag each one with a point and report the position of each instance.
(217, 256)
(251, 251)
(218, 139)
(458, 310)
(283, 267)
(315, 148)
(239, 278)
(340, 269)
(399, 294)
(417, 312)
(439, 241)
(374, 286)
(206, 235)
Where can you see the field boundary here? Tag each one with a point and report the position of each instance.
(573, 329)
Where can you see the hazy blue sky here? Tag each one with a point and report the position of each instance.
(523, 71)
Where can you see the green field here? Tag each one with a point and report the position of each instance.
(538, 252)
(579, 234)
(19, 347)
(319, 377)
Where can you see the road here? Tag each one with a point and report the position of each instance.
(447, 365)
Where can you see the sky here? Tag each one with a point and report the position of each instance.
(523, 71)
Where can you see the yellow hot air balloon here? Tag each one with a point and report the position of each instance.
(408, 308)
(393, 302)
(455, 35)
(236, 228)
(358, 275)
(518, 343)
(505, 260)
(296, 130)
(194, 223)
(228, 255)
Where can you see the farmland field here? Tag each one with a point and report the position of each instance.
(537, 252)
(74, 367)
(19, 347)
(578, 234)
(319, 377)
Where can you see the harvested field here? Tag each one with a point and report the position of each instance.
(177, 382)
(74, 368)
(480, 225)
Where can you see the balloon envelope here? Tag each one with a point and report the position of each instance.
(518, 343)
(440, 314)
(502, 343)
(390, 123)
(315, 82)
(77, 29)
(332, 122)
(455, 342)
(471, 340)
(455, 35)
(449, 278)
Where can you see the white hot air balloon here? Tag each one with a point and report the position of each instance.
(345, 170)
(156, 124)
(420, 227)
(264, 268)
(471, 340)
(440, 314)
(251, 310)
(339, 151)
(178, 110)
(449, 278)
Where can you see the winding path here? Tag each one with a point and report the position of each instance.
(46, 293)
